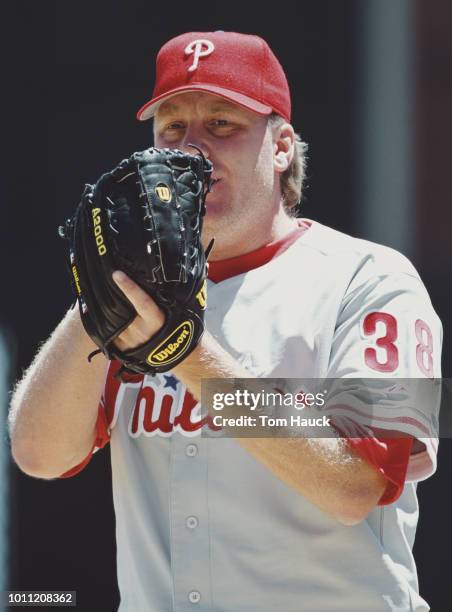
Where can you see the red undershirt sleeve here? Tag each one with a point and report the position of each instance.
(388, 454)
(102, 438)
(390, 457)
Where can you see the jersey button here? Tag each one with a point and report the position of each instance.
(192, 522)
(191, 450)
(194, 597)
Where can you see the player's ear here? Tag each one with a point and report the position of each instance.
(283, 146)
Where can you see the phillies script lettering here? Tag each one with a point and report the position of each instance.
(159, 413)
(157, 409)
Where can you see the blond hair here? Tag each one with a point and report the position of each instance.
(293, 178)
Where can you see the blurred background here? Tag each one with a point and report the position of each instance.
(371, 84)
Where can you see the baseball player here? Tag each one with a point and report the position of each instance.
(228, 524)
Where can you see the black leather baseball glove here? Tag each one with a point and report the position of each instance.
(144, 218)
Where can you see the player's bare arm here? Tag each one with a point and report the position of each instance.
(55, 405)
(326, 470)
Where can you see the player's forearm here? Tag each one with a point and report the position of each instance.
(324, 470)
(54, 407)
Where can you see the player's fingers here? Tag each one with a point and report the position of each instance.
(136, 334)
(145, 306)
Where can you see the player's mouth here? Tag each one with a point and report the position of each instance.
(212, 191)
(214, 197)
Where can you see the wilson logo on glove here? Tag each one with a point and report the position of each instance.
(163, 192)
(101, 248)
(76, 280)
(201, 296)
(173, 346)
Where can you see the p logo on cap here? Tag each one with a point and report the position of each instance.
(196, 47)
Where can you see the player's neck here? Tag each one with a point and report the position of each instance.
(278, 227)
(282, 225)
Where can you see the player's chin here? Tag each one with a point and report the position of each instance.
(214, 209)
(213, 225)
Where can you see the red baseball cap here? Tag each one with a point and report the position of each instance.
(238, 67)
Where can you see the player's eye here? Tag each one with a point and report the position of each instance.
(175, 125)
(220, 122)
(172, 131)
(223, 127)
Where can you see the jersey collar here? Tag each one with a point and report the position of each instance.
(226, 268)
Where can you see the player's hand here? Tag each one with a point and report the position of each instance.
(150, 318)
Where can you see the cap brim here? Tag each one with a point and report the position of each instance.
(148, 110)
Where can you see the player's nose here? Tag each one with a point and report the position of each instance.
(193, 138)
(193, 147)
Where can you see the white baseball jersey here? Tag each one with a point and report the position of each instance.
(200, 523)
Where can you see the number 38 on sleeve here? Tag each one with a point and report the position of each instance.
(385, 343)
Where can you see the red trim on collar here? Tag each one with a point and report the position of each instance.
(226, 268)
